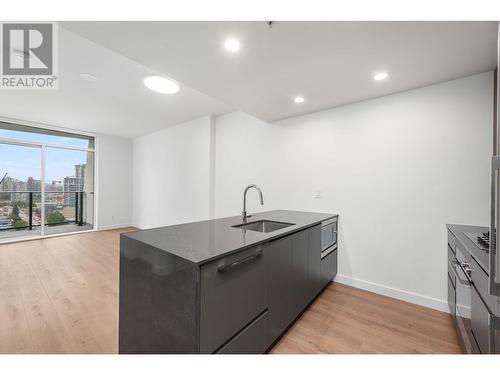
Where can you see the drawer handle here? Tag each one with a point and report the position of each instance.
(465, 282)
(239, 262)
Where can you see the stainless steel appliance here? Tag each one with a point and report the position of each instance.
(328, 237)
(473, 308)
(492, 271)
(482, 241)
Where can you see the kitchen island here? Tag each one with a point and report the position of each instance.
(223, 285)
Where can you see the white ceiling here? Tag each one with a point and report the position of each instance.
(118, 103)
(329, 63)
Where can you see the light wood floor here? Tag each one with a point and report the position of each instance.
(60, 295)
(347, 320)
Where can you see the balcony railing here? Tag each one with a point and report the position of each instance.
(78, 209)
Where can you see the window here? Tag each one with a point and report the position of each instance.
(46, 181)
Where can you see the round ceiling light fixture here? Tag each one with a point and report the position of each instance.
(162, 85)
(299, 99)
(380, 76)
(232, 45)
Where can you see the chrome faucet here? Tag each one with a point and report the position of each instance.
(244, 212)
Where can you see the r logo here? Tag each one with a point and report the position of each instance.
(28, 49)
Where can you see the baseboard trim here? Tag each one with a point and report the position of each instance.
(114, 226)
(403, 295)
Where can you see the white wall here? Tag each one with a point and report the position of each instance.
(172, 172)
(396, 169)
(114, 169)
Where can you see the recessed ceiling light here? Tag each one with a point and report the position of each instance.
(380, 76)
(299, 99)
(88, 77)
(232, 45)
(162, 85)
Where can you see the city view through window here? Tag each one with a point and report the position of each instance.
(52, 197)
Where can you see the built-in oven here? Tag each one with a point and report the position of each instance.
(328, 236)
(462, 270)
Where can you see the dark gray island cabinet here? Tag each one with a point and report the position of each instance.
(208, 287)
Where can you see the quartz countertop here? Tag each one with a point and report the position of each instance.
(203, 241)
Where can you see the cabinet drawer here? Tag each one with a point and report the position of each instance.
(329, 267)
(253, 339)
(335, 264)
(233, 293)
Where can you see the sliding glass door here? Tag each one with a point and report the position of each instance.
(69, 190)
(46, 182)
(20, 190)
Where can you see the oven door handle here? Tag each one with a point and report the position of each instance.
(465, 282)
(494, 221)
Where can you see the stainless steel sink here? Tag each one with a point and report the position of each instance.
(263, 226)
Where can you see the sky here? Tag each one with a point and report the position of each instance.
(22, 162)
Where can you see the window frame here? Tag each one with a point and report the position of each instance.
(52, 130)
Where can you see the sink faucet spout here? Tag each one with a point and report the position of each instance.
(244, 212)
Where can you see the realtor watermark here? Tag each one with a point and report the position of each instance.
(28, 56)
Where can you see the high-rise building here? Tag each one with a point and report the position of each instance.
(80, 173)
(71, 184)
